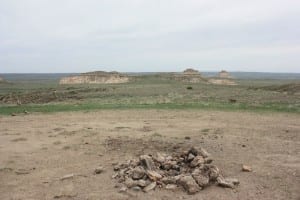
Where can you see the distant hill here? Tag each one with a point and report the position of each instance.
(96, 77)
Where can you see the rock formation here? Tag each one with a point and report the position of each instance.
(191, 71)
(223, 78)
(190, 76)
(224, 74)
(95, 78)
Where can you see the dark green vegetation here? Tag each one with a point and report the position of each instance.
(151, 91)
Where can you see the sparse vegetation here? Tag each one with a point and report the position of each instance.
(152, 91)
(205, 130)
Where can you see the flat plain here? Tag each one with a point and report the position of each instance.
(57, 131)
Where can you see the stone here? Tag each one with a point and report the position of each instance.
(169, 158)
(246, 168)
(134, 163)
(176, 167)
(169, 180)
(150, 187)
(147, 162)
(68, 176)
(193, 151)
(184, 153)
(120, 166)
(208, 160)
(171, 187)
(173, 172)
(121, 179)
(123, 189)
(166, 166)
(214, 172)
(160, 158)
(136, 188)
(115, 175)
(130, 183)
(153, 175)
(199, 151)
(22, 171)
(198, 160)
(234, 181)
(118, 185)
(138, 173)
(99, 170)
(169, 165)
(189, 184)
(203, 152)
(190, 157)
(122, 172)
(224, 183)
(201, 178)
(142, 183)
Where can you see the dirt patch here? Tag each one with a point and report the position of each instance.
(140, 146)
(268, 143)
(19, 139)
(221, 81)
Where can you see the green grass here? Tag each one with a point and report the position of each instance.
(50, 108)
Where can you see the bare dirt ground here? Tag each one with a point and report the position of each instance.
(36, 150)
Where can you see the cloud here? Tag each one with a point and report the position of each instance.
(147, 35)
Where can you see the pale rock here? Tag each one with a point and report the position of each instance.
(189, 184)
(138, 173)
(153, 175)
(150, 187)
(147, 162)
(201, 178)
(171, 187)
(198, 160)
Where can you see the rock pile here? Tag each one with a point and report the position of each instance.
(191, 170)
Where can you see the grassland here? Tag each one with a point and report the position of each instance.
(152, 91)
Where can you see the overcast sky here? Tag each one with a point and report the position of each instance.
(149, 35)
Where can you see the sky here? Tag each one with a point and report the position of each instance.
(49, 36)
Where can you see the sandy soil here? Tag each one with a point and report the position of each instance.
(36, 150)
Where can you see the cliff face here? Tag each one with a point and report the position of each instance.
(191, 71)
(224, 74)
(95, 78)
(223, 78)
(190, 76)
